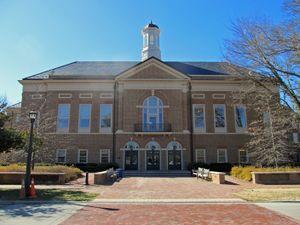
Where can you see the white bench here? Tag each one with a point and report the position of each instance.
(201, 173)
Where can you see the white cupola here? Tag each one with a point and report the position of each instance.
(151, 41)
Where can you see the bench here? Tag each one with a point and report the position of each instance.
(201, 173)
(39, 177)
(217, 177)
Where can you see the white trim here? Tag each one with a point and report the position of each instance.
(198, 96)
(64, 95)
(84, 129)
(218, 96)
(85, 95)
(63, 130)
(106, 95)
(86, 157)
(240, 129)
(247, 156)
(56, 159)
(101, 153)
(197, 129)
(296, 137)
(220, 129)
(204, 153)
(218, 155)
(106, 130)
(36, 96)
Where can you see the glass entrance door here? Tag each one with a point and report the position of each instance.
(131, 160)
(174, 160)
(153, 159)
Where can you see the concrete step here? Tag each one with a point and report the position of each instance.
(159, 173)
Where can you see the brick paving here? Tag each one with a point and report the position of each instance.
(158, 214)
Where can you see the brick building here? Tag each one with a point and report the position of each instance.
(147, 115)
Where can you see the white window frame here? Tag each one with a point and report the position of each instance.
(63, 130)
(218, 96)
(220, 129)
(36, 96)
(240, 129)
(218, 155)
(85, 95)
(247, 156)
(296, 138)
(204, 154)
(64, 95)
(198, 129)
(56, 159)
(84, 129)
(86, 158)
(106, 130)
(106, 95)
(198, 96)
(101, 153)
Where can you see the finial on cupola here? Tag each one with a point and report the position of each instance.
(151, 41)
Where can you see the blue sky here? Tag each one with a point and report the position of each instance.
(39, 35)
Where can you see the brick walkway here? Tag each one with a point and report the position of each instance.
(142, 214)
(166, 188)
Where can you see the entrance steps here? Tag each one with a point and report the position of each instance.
(157, 173)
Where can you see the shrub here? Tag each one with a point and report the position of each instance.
(94, 167)
(219, 167)
(244, 173)
(71, 173)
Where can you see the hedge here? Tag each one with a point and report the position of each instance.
(94, 167)
(219, 167)
(71, 173)
(244, 173)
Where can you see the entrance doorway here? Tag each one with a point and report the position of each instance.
(174, 155)
(153, 156)
(131, 156)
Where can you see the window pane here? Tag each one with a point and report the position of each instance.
(106, 114)
(84, 115)
(199, 117)
(222, 157)
(219, 116)
(201, 155)
(104, 156)
(82, 156)
(63, 116)
(243, 156)
(240, 116)
(61, 155)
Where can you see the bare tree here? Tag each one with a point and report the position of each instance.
(269, 53)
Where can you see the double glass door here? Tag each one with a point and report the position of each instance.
(174, 160)
(131, 160)
(153, 159)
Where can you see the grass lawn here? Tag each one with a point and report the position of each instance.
(270, 194)
(50, 194)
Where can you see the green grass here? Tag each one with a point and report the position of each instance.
(50, 194)
(270, 194)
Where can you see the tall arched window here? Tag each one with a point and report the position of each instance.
(132, 145)
(153, 145)
(174, 145)
(152, 114)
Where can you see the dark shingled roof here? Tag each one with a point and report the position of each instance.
(110, 69)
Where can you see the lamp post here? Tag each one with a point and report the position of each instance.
(32, 117)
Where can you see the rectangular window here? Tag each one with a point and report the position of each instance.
(199, 117)
(106, 95)
(218, 96)
(222, 155)
(84, 118)
(85, 95)
(61, 155)
(220, 118)
(82, 156)
(296, 139)
(63, 117)
(266, 119)
(36, 96)
(64, 95)
(198, 96)
(104, 155)
(240, 118)
(243, 156)
(201, 155)
(105, 118)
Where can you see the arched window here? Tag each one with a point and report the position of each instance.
(132, 145)
(174, 145)
(152, 114)
(153, 145)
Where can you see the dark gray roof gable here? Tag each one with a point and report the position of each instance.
(110, 69)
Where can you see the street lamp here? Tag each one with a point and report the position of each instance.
(32, 117)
